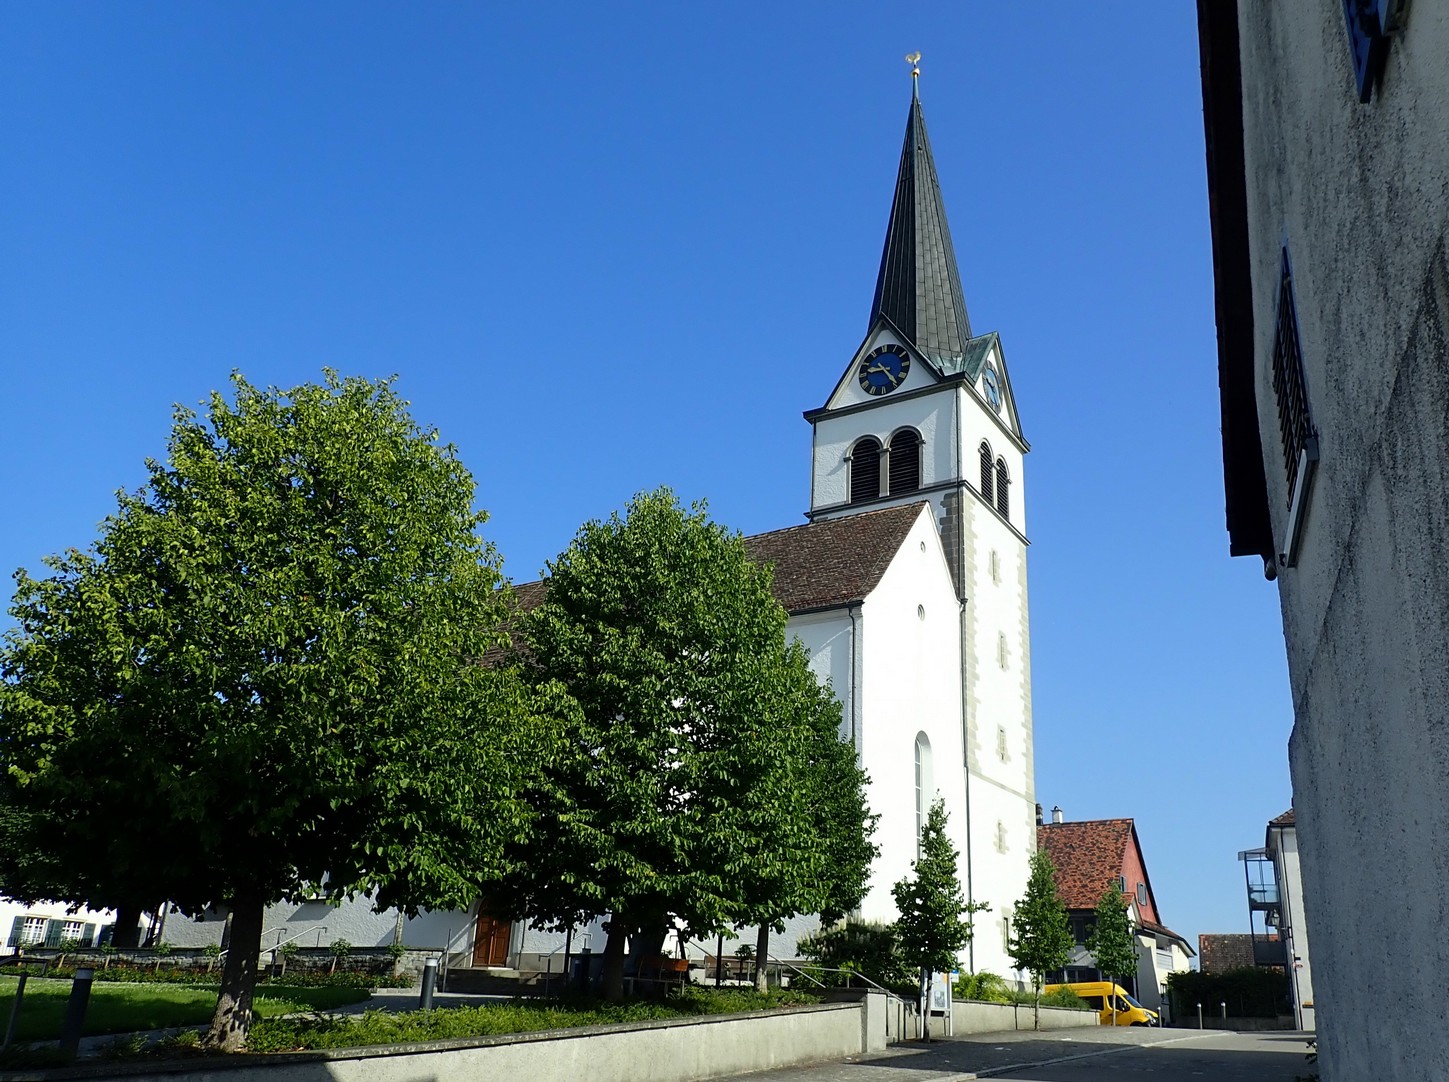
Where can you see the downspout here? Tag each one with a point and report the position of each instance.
(855, 683)
(959, 557)
(966, 773)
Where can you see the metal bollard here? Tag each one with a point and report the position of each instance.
(15, 1009)
(75, 1013)
(1199, 1016)
(430, 980)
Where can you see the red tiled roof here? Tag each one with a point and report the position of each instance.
(834, 561)
(1284, 820)
(1220, 952)
(819, 565)
(1088, 855)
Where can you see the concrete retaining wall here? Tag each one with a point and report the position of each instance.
(969, 1016)
(675, 1050)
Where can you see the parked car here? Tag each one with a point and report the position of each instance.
(1128, 1013)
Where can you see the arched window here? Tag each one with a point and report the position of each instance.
(865, 470)
(1003, 499)
(905, 461)
(925, 784)
(986, 487)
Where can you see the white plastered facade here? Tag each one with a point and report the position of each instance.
(985, 678)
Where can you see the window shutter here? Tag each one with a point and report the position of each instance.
(1003, 503)
(865, 471)
(905, 461)
(54, 930)
(88, 936)
(15, 929)
(986, 474)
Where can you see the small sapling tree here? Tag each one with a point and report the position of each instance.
(935, 919)
(1041, 938)
(1111, 942)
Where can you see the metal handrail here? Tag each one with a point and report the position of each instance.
(904, 1005)
(445, 962)
(587, 935)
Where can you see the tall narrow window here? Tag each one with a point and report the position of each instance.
(905, 461)
(1003, 498)
(986, 471)
(865, 470)
(1295, 425)
(925, 785)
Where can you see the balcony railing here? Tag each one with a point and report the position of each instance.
(1270, 952)
(1263, 896)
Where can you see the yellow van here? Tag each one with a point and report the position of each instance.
(1096, 993)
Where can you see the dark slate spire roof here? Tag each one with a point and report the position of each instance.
(919, 288)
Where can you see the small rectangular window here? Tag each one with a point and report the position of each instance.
(1368, 44)
(1295, 425)
(1141, 893)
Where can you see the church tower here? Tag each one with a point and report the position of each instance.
(924, 411)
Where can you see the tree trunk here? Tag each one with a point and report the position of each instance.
(233, 1015)
(128, 928)
(762, 959)
(1036, 1010)
(612, 978)
(926, 1005)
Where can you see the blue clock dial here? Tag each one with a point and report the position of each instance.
(992, 387)
(884, 369)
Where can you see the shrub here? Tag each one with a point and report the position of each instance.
(870, 948)
(986, 987)
(1249, 992)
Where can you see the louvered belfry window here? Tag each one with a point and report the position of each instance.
(1288, 384)
(865, 470)
(905, 461)
(986, 472)
(1003, 482)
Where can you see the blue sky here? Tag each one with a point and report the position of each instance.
(607, 247)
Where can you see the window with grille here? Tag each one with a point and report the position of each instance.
(34, 930)
(986, 472)
(1003, 502)
(905, 461)
(865, 470)
(1295, 425)
(925, 784)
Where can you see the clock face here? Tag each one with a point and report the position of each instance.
(884, 369)
(992, 387)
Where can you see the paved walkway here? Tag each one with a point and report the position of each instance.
(988, 1055)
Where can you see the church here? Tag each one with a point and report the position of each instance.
(907, 584)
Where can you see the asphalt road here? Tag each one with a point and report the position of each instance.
(1084, 1055)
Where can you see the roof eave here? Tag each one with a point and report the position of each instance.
(1249, 524)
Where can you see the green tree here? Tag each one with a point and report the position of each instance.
(683, 784)
(935, 919)
(1041, 938)
(1111, 941)
(814, 852)
(262, 679)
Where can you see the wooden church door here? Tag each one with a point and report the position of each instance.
(490, 940)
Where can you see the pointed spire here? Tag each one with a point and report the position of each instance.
(919, 288)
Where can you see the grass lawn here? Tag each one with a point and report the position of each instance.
(121, 1008)
(384, 1027)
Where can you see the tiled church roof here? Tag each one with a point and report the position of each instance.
(820, 565)
(833, 561)
(1087, 855)
(1287, 819)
